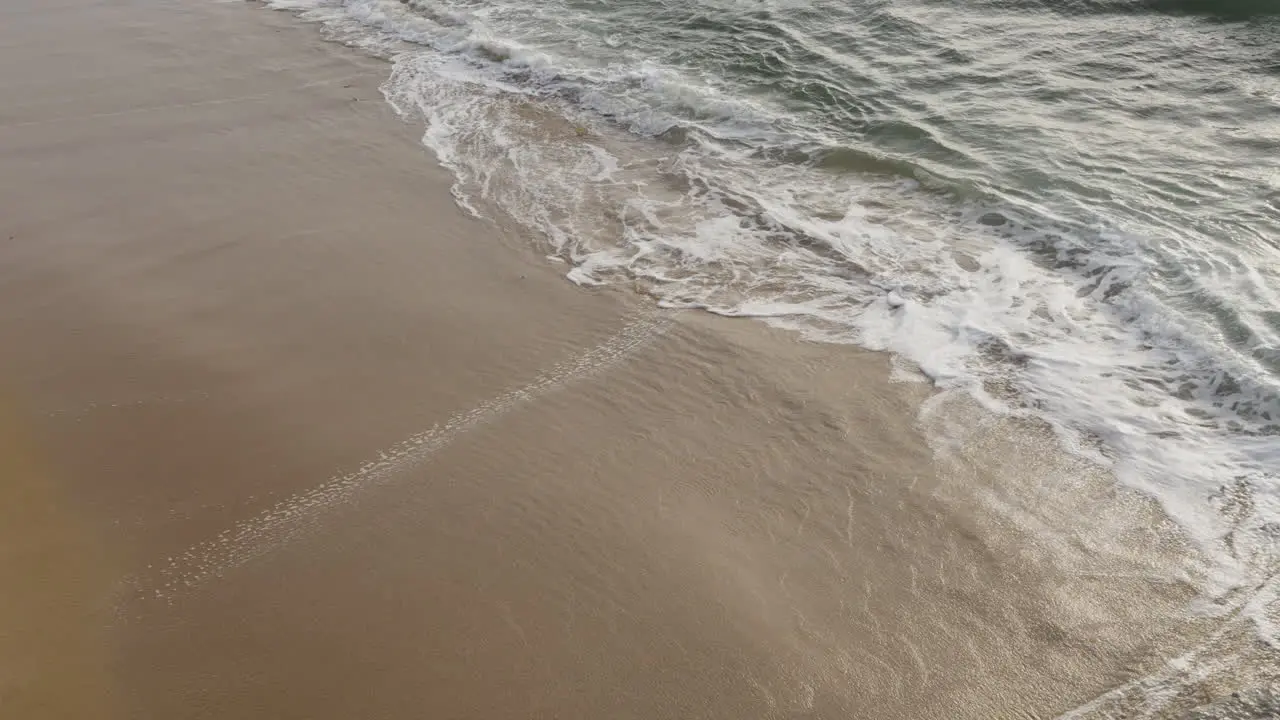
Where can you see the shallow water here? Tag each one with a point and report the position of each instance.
(1068, 210)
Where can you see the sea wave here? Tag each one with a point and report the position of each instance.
(666, 178)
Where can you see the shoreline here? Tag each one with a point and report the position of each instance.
(319, 445)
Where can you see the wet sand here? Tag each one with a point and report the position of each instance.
(285, 435)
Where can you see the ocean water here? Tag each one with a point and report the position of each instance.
(1067, 209)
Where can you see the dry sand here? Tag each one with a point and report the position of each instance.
(285, 435)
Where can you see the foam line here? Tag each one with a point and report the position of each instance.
(294, 517)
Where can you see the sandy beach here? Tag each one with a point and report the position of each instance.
(285, 434)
